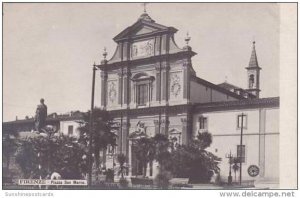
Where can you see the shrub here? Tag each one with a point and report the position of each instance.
(109, 175)
(193, 161)
(218, 180)
(183, 185)
(163, 179)
(54, 153)
(123, 182)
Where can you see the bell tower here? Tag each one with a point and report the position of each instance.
(253, 74)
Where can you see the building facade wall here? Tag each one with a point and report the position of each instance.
(172, 124)
(167, 85)
(260, 137)
(65, 128)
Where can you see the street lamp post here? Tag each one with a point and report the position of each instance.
(90, 164)
(91, 129)
(229, 156)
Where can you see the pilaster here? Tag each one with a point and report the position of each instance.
(126, 51)
(127, 85)
(184, 130)
(262, 131)
(120, 87)
(119, 140)
(156, 126)
(125, 133)
(186, 79)
(103, 76)
(129, 157)
(164, 124)
(165, 81)
(158, 83)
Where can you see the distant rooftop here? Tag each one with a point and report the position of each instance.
(228, 86)
(73, 115)
(236, 89)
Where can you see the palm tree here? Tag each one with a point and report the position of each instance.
(104, 133)
(144, 151)
(162, 145)
(204, 140)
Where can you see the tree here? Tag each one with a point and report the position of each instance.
(144, 151)
(104, 132)
(10, 144)
(53, 153)
(193, 161)
(122, 159)
(27, 158)
(204, 140)
(162, 153)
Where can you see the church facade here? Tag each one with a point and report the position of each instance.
(149, 85)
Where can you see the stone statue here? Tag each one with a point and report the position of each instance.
(140, 127)
(40, 116)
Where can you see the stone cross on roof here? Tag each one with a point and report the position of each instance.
(145, 7)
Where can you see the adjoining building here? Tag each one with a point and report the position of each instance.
(149, 84)
(66, 124)
(260, 144)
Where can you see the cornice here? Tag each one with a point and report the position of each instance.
(153, 110)
(273, 102)
(151, 59)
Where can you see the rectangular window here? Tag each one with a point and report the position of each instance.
(110, 150)
(202, 123)
(142, 94)
(70, 130)
(242, 118)
(241, 153)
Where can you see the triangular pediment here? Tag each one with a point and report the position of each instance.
(140, 28)
(145, 30)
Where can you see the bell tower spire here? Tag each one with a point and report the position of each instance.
(253, 73)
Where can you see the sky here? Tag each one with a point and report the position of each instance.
(49, 48)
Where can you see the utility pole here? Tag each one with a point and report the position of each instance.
(241, 147)
(90, 164)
